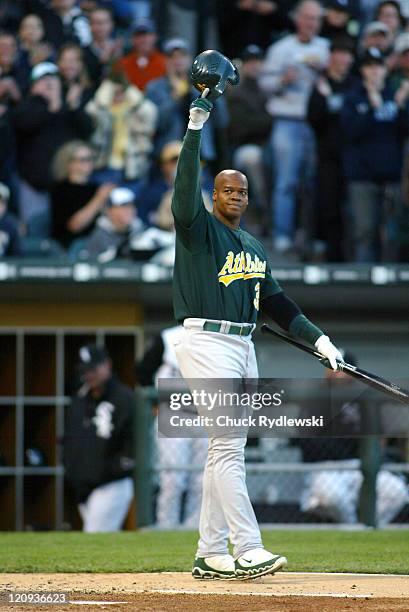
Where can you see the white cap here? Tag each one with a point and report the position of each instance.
(43, 69)
(376, 27)
(172, 44)
(121, 196)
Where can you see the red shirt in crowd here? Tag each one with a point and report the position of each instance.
(140, 70)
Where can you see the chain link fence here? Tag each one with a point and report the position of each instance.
(290, 480)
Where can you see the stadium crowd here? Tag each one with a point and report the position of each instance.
(93, 105)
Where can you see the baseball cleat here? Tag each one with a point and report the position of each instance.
(218, 567)
(258, 562)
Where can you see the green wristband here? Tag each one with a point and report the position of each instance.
(303, 328)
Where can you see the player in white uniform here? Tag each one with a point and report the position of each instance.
(159, 363)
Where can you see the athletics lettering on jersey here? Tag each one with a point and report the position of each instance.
(241, 266)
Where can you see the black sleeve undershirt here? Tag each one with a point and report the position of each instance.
(284, 311)
(281, 309)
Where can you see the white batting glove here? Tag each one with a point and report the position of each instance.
(328, 350)
(199, 112)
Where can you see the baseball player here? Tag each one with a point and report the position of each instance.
(98, 443)
(158, 363)
(221, 282)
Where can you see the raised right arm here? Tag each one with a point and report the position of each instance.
(187, 200)
(187, 196)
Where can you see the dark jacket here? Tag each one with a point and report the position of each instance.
(324, 116)
(239, 28)
(250, 123)
(75, 27)
(98, 440)
(66, 200)
(373, 138)
(40, 133)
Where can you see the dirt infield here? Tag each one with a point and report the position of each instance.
(286, 591)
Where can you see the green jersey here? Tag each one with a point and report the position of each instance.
(219, 273)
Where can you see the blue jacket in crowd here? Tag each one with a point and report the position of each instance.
(373, 138)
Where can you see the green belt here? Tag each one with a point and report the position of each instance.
(240, 330)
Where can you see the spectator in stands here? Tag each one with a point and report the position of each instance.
(290, 69)
(12, 77)
(172, 93)
(33, 48)
(178, 489)
(30, 32)
(9, 230)
(7, 144)
(145, 62)
(76, 86)
(124, 126)
(324, 112)
(43, 124)
(11, 85)
(401, 72)
(76, 201)
(333, 495)
(340, 20)
(63, 21)
(120, 233)
(154, 188)
(157, 190)
(375, 36)
(375, 122)
(246, 22)
(98, 443)
(399, 83)
(193, 20)
(389, 13)
(114, 228)
(104, 48)
(250, 127)
(121, 10)
(11, 14)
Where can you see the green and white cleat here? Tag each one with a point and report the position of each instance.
(258, 562)
(220, 567)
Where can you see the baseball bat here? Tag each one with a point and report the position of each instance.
(372, 380)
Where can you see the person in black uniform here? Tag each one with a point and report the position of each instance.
(98, 443)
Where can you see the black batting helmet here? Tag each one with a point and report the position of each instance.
(213, 70)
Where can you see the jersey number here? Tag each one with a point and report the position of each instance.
(256, 300)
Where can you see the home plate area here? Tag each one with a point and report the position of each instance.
(156, 592)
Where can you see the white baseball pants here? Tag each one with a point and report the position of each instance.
(226, 510)
(106, 507)
(172, 483)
